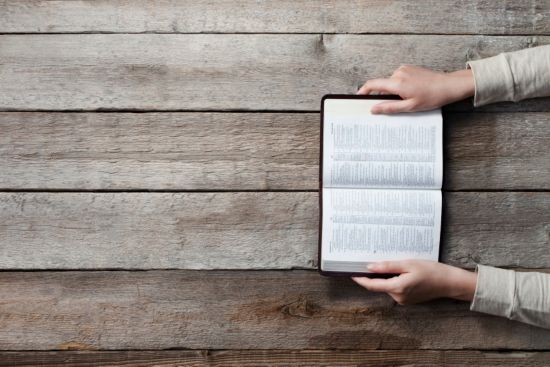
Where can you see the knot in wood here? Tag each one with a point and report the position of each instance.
(299, 308)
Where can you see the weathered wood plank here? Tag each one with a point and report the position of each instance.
(497, 151)
(276, 358)
(151, 230)
(242, 151)
(234, 310)
(502, 229)
(183, 151)
(254, 230)
(287, 16)
(217, 71)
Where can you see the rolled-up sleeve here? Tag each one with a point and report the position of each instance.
(512, 76)
(521, 296)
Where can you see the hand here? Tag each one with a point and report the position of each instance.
(421, 89)
(420, 280)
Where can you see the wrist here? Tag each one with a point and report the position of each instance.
(462, 284)
(462, 82)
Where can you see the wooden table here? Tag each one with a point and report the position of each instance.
(158, 175)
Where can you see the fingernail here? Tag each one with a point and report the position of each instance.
(372, 266)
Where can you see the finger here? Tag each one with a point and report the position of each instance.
(387, 86)
(376, 285)
(389, 267)
(389, 107)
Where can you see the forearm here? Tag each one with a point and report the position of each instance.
(512, 76)
(518, 296)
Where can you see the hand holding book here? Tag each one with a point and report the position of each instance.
(511, 76)
(420, 280)
(421, 89)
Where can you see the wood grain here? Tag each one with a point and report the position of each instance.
(276, 358)
(152, 230)
(247, 230)
(218, 71)
(234, 310)
(286, 16)
(159, 151)
(242, 316)
(243, 151)
(497, 151)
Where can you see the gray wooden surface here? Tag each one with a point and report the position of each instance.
(246, 230)
(158, 182)
(235, 310)
(243, 151)
(217, 71)
(282, 16)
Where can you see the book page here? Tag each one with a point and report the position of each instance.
(381, 151)
(361, 226)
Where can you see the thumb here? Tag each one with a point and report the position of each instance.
(390, 267)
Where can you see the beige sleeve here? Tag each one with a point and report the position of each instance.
(518, 296)
(512, 76)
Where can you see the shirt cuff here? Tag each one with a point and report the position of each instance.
(493, 80)
(495, 291)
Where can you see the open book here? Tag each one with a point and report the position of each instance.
(380, 184)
